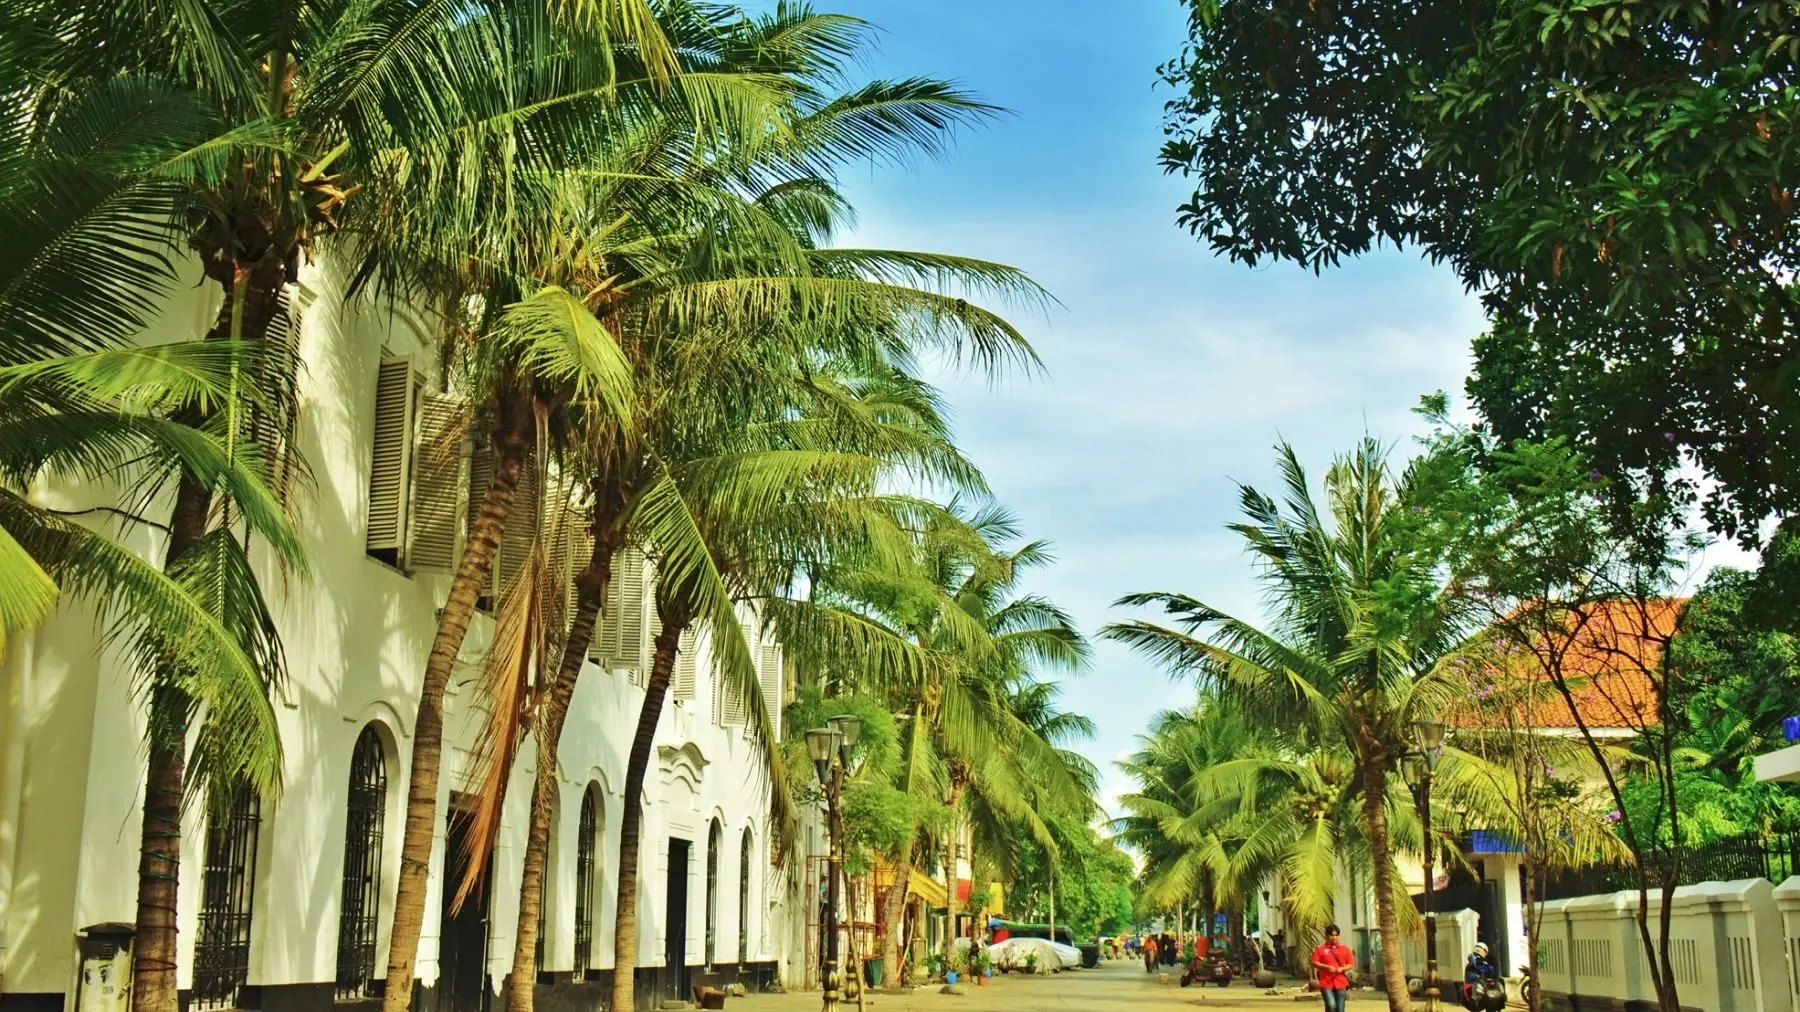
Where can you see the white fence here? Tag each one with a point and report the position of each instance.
(1727, 946)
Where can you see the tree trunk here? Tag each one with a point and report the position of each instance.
(428, 726)
(950, 845)
(892, 915)
(153, 958)
(590, 594)
(631, 816)
(252, 292)
(1393, 968)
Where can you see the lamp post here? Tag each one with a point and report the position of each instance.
(830, 749)
(1417, 767)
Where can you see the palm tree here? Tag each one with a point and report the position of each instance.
(91, 191)
(377, 92)
(1360, 617)
(967, 741)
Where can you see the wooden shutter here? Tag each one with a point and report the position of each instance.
(606, 635)
(578, 542)
(628, 644)
(687, 668)
(440, 485)
(768, 672)
(522, 519)
(481, 475)
(731, 709)
(390, 463)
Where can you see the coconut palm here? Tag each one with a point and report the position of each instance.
(963, 743)
(91, 187)
(1360, 617)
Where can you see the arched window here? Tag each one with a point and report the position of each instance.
(359, 914)
(715, 837)
(222, 944)
(744, 899)
(586, 879)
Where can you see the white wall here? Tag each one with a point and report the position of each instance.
(356, 634)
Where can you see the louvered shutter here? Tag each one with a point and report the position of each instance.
(630, 646)
(732, 711)
(481, 475)
(440, 484)
(687, 668)
(521, 528)
(606, 636)
(768, 672)
(578, 542)
(389, 465)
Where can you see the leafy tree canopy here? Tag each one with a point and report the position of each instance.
(1614, 177)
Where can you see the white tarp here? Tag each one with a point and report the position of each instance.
(1010, 954)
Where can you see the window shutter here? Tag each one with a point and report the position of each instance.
(606, 637)
(732, 710)
(481, 475)
(629, 649)
(521, 524)
(390, 463)
(769, 674)
(578, 548)
(440, 482)
(687, 668)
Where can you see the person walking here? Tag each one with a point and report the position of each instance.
(1332, 962)
(1149, 947)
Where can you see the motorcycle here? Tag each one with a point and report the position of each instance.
(1485, 995)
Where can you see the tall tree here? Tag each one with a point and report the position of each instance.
(1610, 176)
(1361, 614)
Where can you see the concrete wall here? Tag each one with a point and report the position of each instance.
(356, 633)
(1727, 948)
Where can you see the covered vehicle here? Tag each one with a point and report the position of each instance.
(1012, 954)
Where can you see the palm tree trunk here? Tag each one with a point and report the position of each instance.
(153, 960)
(891, 914)
(950, 891)
(590, 593)
(428, 726)
(631, 817)
(252, 292)
(1393, 966)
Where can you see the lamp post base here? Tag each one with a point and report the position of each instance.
(831, 987)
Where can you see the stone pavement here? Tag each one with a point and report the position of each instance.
(1117, 986)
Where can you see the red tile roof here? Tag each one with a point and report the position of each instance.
(1610, 655)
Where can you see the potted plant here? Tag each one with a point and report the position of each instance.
(1031, 962)
(981, 968)
(934, 965)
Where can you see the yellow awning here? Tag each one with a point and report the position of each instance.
(928, 889)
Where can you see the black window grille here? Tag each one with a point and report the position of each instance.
(744, 902)
(714, 839)
(222, 944)
(584, 879)
(359, 916)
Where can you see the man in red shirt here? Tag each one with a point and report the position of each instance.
(1333, 962)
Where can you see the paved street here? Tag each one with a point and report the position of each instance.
(1114, 987)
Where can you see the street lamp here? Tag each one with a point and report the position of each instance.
(1417, 767)
(825, 744)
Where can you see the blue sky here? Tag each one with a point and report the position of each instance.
(1170, 372)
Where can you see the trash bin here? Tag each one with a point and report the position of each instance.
(873, 969)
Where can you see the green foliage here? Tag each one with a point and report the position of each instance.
(1610, 175)
(1093, 881)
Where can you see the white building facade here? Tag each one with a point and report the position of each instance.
(286, 905)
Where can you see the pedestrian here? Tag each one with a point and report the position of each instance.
(1149, 953)
(1332, 962)
(1281, 956)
